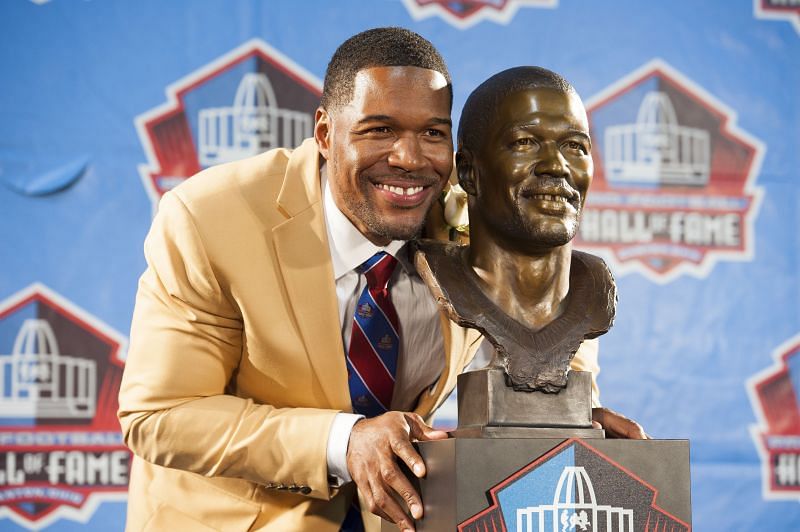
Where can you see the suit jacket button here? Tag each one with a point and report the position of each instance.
(305, 490)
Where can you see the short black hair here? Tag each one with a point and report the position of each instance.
(378, 47)
(482, 104)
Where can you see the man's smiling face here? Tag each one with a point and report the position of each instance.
(389, 150)
(533, 168)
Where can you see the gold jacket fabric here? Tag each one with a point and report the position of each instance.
(236, 365)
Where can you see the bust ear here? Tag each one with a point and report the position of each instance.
(466, 171)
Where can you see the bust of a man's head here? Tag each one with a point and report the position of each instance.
(524, 158)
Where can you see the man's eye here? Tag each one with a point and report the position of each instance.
(434, 133)
(379, 129)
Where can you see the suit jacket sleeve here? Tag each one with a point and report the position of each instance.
(186, 345)
(586, 359)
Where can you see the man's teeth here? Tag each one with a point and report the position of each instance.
(410, 191)
(550, 197)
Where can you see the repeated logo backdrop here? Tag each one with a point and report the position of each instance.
(673, 184)
(107, 104)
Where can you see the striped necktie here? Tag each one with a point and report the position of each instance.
(372, 357)
(375, 340)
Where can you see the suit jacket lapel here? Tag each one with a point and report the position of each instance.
(301, 246)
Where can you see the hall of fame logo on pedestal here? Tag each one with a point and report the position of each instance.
(246, 102)
(569, 489)
(775, 396)
(61, 450)
(788, 10)
(673, 189)
(464, 14)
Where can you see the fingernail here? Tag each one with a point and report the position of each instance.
(418, 470)
(416, 511)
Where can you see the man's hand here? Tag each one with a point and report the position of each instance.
(372, 452)
(617, 425)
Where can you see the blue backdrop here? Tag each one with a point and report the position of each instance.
(694, 109)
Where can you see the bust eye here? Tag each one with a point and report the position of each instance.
(574, 145)
(524, 143)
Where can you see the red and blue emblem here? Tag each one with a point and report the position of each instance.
(61, 451)
(572, 488)
(246, 102)
(674, 184)
(775, 396)
(788, 10)
(466, 13)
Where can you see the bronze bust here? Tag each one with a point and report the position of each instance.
(524, 159)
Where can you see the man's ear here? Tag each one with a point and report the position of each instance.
(322, 131)
(466, 171)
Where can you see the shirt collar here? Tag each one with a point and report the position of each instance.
(348, 247)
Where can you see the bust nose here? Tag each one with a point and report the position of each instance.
(552, 162)
(407, 154)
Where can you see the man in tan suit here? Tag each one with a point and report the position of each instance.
(236, 380)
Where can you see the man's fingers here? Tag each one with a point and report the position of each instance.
(382, 503)
(617, 425)
(623, 427)
(369, 503)
(633, 431)
(410, 456)
(398, 482)
(422, 432)
(372, 458)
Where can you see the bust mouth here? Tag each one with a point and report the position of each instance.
(559, 195)
(548, 197)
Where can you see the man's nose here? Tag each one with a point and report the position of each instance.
(552, 162)
(407, 154)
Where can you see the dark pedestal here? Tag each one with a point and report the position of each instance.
(487, 408)
(531, 462)
(536, 485)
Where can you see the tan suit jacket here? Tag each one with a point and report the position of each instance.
(236, 369)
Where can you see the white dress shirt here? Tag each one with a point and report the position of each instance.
(421, 357)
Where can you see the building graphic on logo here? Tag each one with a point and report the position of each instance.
(656, 149)
(248, 101)
(253, 124)
(41, 381)
(788, 10)
(775, 396)
(61, 451)
(673, 190)
(556, 493)
(464, 14)
(574, 507)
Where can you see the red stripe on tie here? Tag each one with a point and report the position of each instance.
(377, 283)
(370, 368)
(378, 276)
(384, 304)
